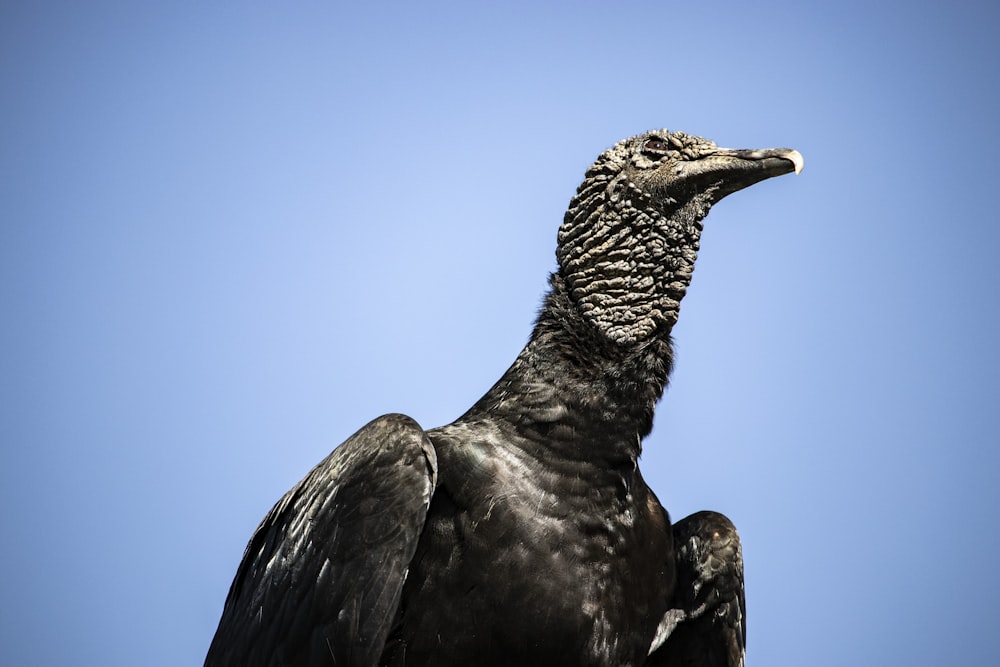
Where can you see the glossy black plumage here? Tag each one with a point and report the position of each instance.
(706, 624)
(329, 560)
(523, 532)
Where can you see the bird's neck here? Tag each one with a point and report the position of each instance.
(571, 379)
(626, 260)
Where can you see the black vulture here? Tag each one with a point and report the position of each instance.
(523, 532)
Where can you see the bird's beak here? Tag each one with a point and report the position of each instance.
(730, 170)
(769, 159)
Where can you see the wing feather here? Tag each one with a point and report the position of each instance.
(321, 578)
(706, 625)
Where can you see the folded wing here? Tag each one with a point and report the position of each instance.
(321, 579)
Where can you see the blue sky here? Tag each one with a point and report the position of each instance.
(231, 235)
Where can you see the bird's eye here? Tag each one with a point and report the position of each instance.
(658, 146)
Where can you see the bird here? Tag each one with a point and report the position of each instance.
(523, 532)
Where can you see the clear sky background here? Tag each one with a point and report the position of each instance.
(232, 235)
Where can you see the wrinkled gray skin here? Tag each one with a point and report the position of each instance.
(523, 532)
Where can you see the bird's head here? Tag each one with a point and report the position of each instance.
(628, 243)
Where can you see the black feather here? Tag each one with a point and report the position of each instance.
(523, 532)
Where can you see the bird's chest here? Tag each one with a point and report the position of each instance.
(538, 569)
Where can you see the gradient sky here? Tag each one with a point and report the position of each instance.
(232, 235)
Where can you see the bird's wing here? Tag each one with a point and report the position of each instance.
(706, 624)
(320, 581)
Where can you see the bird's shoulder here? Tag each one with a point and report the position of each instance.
(338, 543)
